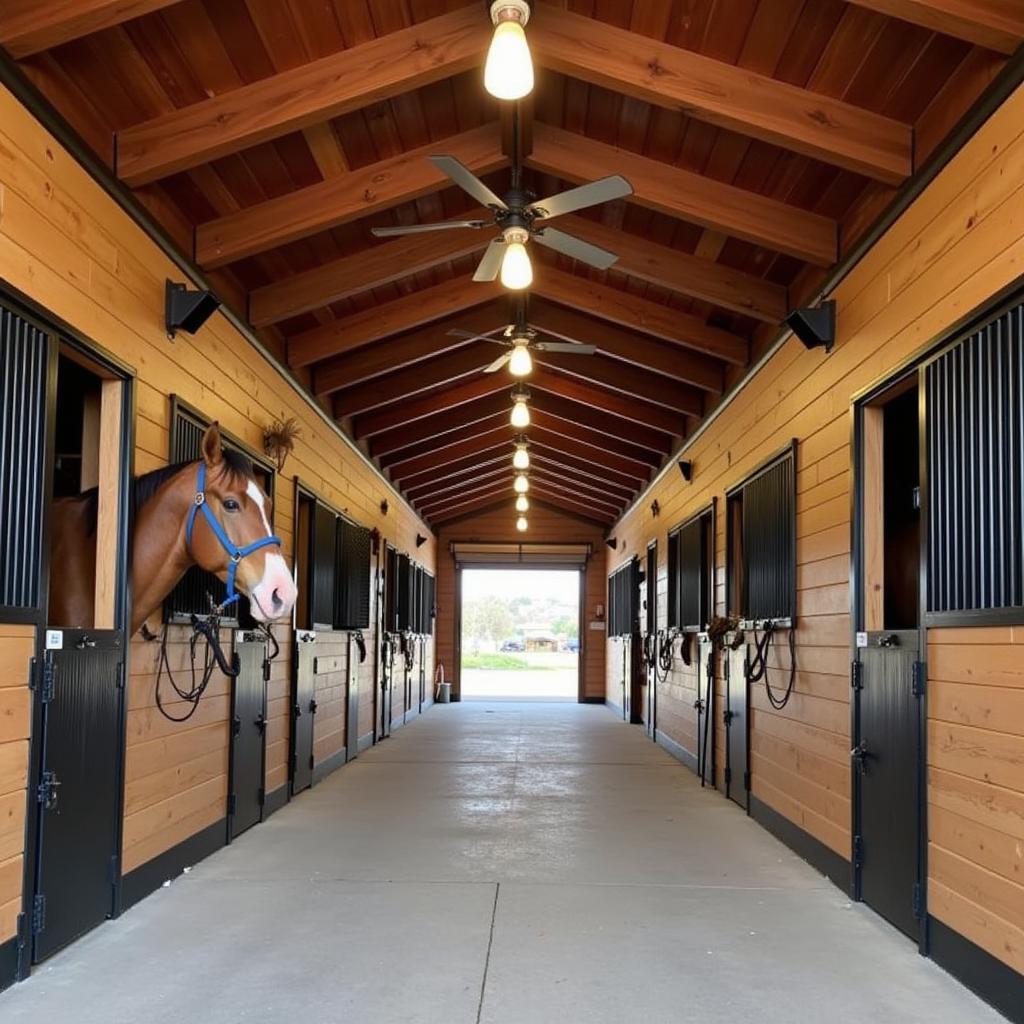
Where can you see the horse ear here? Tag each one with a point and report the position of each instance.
(211, 447)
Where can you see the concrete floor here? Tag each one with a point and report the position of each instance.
(508, 864)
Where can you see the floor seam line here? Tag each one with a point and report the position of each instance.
(487, 958)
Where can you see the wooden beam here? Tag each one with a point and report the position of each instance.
(343, 198)
(311, 93)
(542, 484)
(684, 273)
(470, 444)
(375, 323)
(412, 410)
(629, 408)
(430, 428)
(31, 26)
(597, 510)
(646, 317)
(493, 487)
(691, 197)
(497, 453)
(412, 380)
(492, 471)
(602, 421)
(467, 508)
(995, 24)
(595, 438)
(541, 455)
(570, 451)
(540, 470)
(373, 267)
(722, 94)
(426, 445)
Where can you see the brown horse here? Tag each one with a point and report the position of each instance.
(161, 548)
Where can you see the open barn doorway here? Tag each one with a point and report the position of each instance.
(520, 634)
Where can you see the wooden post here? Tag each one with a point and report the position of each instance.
(874, 518)
(109, 486)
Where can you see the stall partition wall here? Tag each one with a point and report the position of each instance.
(72, 250)
(949, 257)
(547, 526)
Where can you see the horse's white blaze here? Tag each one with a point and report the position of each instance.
(253, 490)
(277, 578)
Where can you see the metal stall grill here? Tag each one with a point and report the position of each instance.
(975, 470)
(769, 541)
(24, 354)
(352, 577)
(324, 561)
(692, 576)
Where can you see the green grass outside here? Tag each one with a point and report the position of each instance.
(507, 661)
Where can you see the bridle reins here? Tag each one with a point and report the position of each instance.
(235, 553)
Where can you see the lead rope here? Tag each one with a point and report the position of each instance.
(758, 668)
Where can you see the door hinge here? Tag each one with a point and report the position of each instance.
(47, 679)
(46, 791)
(918, 900)
(38, 914)
(858, 851)
(231, 803)
(857, 675)
(266, 670)
(919, 679)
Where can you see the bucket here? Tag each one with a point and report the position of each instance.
(444, 693)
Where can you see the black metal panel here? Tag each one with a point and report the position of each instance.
(391, 590)
(404, 576)
(769, 542)
(248, 733)
(975, 460)
(705, 712)
(324, 566)
(737, 727)
(693, 581)
(78, 822)
(352, 715)
(352, 577)
(886, 776)
(426, 604)
(24, 355)
(303, 711)
(674, 620)
(624, 599)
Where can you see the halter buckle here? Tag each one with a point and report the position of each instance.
(236, 557)
(200, 498)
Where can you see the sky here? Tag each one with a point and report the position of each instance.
(562, 585)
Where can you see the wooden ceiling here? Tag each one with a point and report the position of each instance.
(761, 137)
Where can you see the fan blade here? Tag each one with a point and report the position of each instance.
(490, 263)
(565, 346)
(575, 248)
(456, 332)
(416, 229)
(498, 363)
(467, 181)
(601, 191)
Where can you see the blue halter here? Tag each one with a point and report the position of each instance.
(234, 551)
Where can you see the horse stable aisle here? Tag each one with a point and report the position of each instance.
(500, 863)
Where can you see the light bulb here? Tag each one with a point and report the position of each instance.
(520, 364)
(521, 524)
(521, 485)
(516, 272)
(508, 73)
(522, 503)
(521, 459)
(520, 414)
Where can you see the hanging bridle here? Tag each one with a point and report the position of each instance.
(235, 553)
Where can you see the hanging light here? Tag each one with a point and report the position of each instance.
(521, 458)
(520, 411)
(516, 271)
(520, 363)
(508, 73)
(521, 484)
(522, 524)
(522, 503)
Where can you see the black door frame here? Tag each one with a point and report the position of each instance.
(59, 332)
(857, 569)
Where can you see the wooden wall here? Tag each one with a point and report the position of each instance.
(68, 246)
(957, 246)
(547, 525)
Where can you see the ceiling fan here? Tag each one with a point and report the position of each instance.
(515, 215)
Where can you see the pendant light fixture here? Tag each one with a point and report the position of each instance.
(520, 418)
(521, 484)
(521, 458)
(516, 269)
(520, 363)
(522, 503)
(522, 524)
(508, 73)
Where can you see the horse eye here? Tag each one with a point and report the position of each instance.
(230, 505)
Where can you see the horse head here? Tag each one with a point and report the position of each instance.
(228, 531)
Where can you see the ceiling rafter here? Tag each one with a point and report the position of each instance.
(559, 445)
(993, 24)
(484, 504)
(309, 94)
(441, 422)
(426, 445)
(452, 450)
(562, 457)
(343, 198)
(602, 421)
(31, 26)
(722, 94)
(691, 197)
(375, 323)
(496, 468)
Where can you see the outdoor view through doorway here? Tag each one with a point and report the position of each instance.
(520, 634)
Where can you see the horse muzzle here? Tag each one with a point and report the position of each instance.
(274, 596)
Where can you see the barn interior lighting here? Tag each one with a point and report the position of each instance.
(521, 459)
(520, 363)
(522, 503)
(516, 270)
(508, 73)
(520, 411)
(521, 484)
(815, 326)
(187, 309)
(522, 524)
